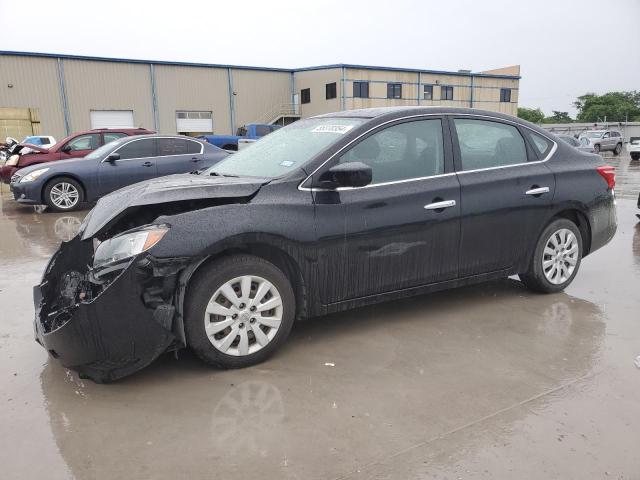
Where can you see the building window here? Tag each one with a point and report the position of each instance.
(305, 95)
(331, 90)
(428, 92)
(394, 90)
(446, 93)
(360, 89)
(505, 95)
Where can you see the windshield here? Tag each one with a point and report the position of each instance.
(99, 152)
(285, 149)
(594, 134)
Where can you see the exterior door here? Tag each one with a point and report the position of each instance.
(178, 155)
(137, 162)
(402, 230)
(505, 192)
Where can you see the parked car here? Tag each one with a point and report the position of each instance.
(46, 141)
(582, 145)
(252, 131)
(633, 147)
(604, 140)
(64, 185)
(74, 146)
(328, 213)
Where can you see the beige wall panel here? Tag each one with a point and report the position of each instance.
(260, 95)
(95, 85)
(192, 88)
(316, 80)
(35, 85)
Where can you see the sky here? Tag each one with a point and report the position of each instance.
(565, 48)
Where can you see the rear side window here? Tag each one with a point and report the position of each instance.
(542, 145)
(401, 152)
(262, 130)
(486, 144)
(137, 149)
(177, 146)
(111, 136)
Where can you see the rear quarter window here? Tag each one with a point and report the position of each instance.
(541, 145)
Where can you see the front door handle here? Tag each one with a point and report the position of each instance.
(147, 164)
(537, 191)
(440, 205)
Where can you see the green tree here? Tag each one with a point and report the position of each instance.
(614, 106)
(533, 115)
(559, 117)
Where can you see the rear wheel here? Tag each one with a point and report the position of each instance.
(618, 149)
(239, 310)
(63, 194)
(556, 259)
(596, 148)
(635, 156)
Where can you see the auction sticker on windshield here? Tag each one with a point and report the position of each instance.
(340, 129)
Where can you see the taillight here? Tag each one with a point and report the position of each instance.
(609, 174)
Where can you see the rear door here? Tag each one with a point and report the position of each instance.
(506, 192)
(137, 162)
(178, 155)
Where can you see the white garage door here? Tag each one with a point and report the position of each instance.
(194, 122)
(111, 119)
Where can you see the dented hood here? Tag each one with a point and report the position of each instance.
(174, 188)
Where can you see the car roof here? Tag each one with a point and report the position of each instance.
(412, 110)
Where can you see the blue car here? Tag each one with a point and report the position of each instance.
(64, 184)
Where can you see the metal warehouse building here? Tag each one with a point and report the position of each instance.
(55, 95)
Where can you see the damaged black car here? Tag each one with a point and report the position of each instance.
(329, 213)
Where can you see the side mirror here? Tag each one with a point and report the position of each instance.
(350, 174)
(66, 149)
(114, 157)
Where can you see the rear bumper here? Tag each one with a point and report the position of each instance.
(603, 221)
(110, 330)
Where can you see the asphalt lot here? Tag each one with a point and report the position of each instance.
(489, 381)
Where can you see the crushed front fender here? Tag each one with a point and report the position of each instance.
(110, 326)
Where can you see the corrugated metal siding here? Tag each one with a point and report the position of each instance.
(316, 80)
(107, 86)
(260, 95)
(35, 86)
(192, 89)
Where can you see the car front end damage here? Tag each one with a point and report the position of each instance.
(110, 321)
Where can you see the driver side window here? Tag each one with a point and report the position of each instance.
(401, 152)
(84, 142)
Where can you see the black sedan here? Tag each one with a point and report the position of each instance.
(329, 213)
(64, 184)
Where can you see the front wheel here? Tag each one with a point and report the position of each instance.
(63, 194)
(635, 156)
(596, 148)
(556, 258)
(618, 149)
(238, 311)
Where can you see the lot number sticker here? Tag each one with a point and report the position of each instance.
(339, 129)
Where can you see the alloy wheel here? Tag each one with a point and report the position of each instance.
(560, 256)
(64, 195)
(243, 315)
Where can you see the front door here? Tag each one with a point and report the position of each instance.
(505, 191)
(137, 162)
(402, 230)
(80, 146)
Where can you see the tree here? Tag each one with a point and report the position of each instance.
(533, 115)
(614, 106)
(559, 117)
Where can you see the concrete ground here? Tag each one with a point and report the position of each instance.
(488, 382)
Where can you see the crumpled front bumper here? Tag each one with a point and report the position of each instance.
(110, 330)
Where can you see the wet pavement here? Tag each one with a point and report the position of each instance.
(489, 381)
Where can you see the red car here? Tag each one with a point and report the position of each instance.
(76, 145)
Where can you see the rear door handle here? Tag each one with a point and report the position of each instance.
(440, 205)
(195, 159)
(147, 164)
(537, 191)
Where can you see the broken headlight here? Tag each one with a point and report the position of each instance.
(128, 244)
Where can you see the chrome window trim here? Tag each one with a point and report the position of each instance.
(317, 189)
(156, 156)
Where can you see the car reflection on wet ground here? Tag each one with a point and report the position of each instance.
(489, 381)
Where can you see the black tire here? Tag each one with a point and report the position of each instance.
(203, 286)
(535, 278)
(618, 149)
(231, 147)
(58, 182)
(635, 156)
(596, 148)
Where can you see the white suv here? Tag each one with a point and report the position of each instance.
(634, 148)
